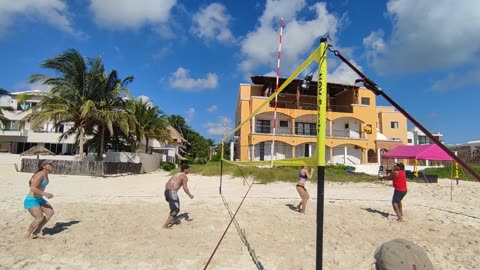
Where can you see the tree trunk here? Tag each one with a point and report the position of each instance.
(80, 147)
(146, 145)
(102, 143)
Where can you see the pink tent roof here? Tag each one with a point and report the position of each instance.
(424, 151)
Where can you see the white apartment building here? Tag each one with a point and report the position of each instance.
(16, 138)
(415, 136)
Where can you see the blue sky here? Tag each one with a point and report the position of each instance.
(189, 57)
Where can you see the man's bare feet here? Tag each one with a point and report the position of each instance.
(37, 236)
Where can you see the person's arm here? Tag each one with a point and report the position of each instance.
(391, 176)
(185, 187)
(309, 175)
(37, 178)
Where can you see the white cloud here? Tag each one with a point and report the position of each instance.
(53, 12)
(189, 115)
(344, 74)
(162, 52)
(212, 108)
(455, 81)
(224, 125)
(212, 22)
(180, 79)
(146, 99)
(260, 47)
(24, 86)
(427, 35)
(126, 14)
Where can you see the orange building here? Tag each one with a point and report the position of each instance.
(354, 123)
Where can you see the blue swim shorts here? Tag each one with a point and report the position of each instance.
(33, 201)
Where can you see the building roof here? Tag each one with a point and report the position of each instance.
(32, 92)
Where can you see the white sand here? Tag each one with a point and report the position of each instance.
(115, 223)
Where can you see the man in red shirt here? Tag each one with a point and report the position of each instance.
(399, 181)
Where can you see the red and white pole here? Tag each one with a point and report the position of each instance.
(276, 91)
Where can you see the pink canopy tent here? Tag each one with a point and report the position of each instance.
(423, 152)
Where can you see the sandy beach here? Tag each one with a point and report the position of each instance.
(115, 223)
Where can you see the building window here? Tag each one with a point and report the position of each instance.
(54, 147)
(409, 140)
(262, 126)
(283, 123)
(305, 129)
(59, 129)
(12, 126)
(423, 140)
(24, 106)
(365, 101)
(394, 124)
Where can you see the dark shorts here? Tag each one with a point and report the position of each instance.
(302, 187)
(174, 202)
(398, 196)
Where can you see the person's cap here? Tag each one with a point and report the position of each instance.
(184, 167)
(400, 165)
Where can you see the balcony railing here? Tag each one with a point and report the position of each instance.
(344, 134)
(312, 107)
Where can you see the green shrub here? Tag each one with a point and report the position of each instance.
(448, 172)
(334, 173)
(167, 166)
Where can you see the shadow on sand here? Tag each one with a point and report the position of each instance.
(243, 236)
(59, 227)
(292, 207)
(178, 219)
(384, 214)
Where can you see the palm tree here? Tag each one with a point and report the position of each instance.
(178, 123)
(111, 108)
(151, 122)
(73, 96)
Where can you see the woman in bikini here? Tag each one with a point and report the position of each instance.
(38, 207)
(303, 175)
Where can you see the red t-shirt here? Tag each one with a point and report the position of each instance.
(400, 182)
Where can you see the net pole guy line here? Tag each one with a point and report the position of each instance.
(369, 84)
(276, 92)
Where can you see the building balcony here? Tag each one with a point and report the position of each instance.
(14, 132)
(338, 134)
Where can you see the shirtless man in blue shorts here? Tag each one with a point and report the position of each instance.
(171, 188)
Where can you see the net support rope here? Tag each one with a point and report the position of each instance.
(230, 223)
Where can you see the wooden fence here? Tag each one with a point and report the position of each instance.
(92, 168)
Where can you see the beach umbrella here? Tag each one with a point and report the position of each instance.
(38, 150)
